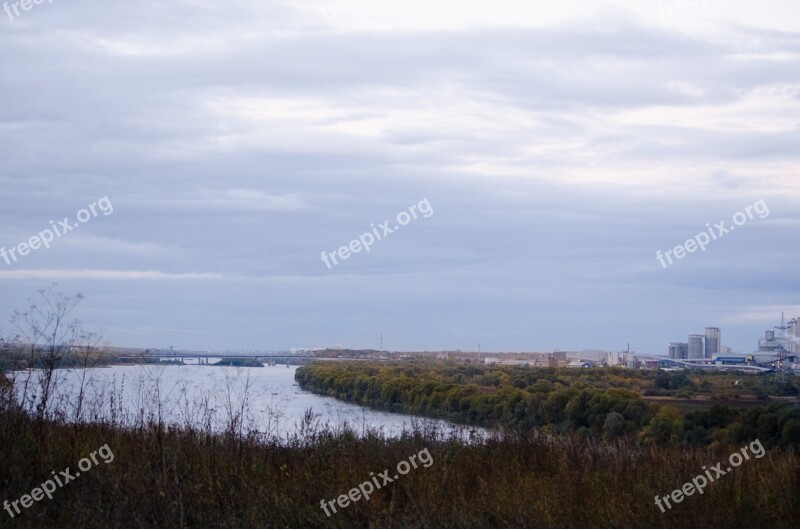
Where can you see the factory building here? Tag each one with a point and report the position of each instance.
(678, 351)
(794, 335)
(615, 358)
(768, 343)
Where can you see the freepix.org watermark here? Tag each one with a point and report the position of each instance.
(365, 241)
(62, 478)
(717, 231)
(48, 235)
(365, 489)
(700, 482)
(26, 5)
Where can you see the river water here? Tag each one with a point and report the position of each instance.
(215, 398)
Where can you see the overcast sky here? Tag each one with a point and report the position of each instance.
(559, 146)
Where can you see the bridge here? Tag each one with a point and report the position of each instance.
(722, 367)
(183, 355)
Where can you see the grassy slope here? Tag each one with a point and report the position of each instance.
(183, 479)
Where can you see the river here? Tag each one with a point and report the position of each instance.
(214, 398)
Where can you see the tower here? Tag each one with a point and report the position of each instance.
(678, 351)
(695, 346)
(794, 335)
(712, 342)
(782, 350)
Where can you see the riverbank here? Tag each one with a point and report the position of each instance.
(654, 407)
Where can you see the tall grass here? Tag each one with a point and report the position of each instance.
(176, 477)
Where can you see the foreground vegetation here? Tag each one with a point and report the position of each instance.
(165, 477)
(592, 403)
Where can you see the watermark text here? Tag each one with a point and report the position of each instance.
(62, 478)
(366, 488)
(381, 231)
(48, 235)
(717, 231)
(699, 482)
(25, 5)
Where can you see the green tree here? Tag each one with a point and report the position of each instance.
(614, 424)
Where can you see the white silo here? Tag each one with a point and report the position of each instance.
(713, 335)
(696, 346)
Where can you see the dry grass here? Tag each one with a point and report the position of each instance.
(181, 478)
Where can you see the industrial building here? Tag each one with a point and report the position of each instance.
(505, 362)
(615, 358)
(713, 343)
(579, 364)
(554, 359)
(696, 347)
(678, 351)
(794, 335)
(778, 350)
(700, 346)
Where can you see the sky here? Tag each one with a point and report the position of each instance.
(537, 159)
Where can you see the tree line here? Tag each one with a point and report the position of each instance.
(602, 402)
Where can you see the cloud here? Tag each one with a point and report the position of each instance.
(235, 199)
(560, 145)
(121, 275)
(765, 314)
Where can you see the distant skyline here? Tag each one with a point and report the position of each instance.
(565, 151)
